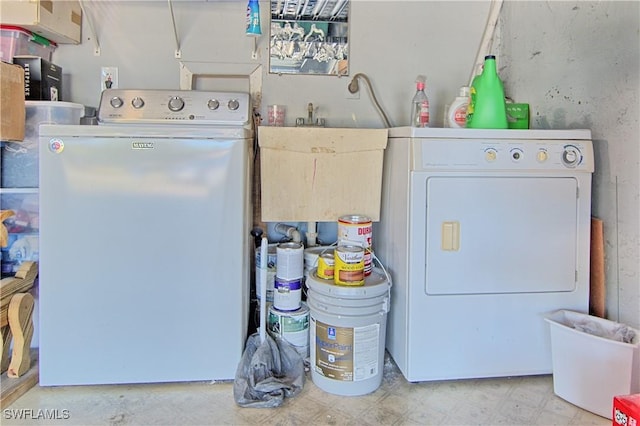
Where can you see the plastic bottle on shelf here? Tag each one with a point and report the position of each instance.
(486, 108)
(457, 111)
(420, 105)
(253, 18)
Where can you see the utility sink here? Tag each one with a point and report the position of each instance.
(319, 173)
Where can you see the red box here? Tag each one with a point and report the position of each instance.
(626, 410)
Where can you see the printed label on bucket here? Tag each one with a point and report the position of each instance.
(357, 229)
(344, 353)
(292, 327)
(287, 294)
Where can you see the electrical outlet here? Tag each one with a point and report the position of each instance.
(109, 78)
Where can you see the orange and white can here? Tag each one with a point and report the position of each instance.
(357, 230)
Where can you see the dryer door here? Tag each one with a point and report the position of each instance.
(501, 234)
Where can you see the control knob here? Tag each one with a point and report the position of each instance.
(116, 102)
(176, 103)
(137, 102)
(213, 104)
(542, 156)
(233, 104)
(490, 155)
(571, 156)
(516, 154)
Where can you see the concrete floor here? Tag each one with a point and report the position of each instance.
(504, 401)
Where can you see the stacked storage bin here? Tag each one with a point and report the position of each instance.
(16, 41)
(19, 178)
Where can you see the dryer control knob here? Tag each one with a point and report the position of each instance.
(517, 154)
(213, 104)
(542, 156)
(571, 156)
(490, 155)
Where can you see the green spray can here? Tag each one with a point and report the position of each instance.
(486, 108)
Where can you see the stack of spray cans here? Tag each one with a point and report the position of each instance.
(288, 315)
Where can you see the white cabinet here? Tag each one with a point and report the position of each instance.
(57, 20)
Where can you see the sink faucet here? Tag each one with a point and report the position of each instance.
(310, 109)
(319, 122)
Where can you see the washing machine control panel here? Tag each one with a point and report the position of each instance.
(193, 107)
(505, 154)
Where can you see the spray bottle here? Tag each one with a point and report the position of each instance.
(253, 18)
(420, 105)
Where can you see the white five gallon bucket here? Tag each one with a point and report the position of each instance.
(347, 333)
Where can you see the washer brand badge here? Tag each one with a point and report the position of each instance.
(56, 145)
(142, 145)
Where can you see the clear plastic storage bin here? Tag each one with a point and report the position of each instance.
(15, 41)
(20, 159)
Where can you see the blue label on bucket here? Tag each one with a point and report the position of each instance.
(288, 285)
(287, 294)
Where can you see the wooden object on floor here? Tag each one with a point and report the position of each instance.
(4, 233)
(21, 325)
(20, 283)
(597, 275)
(13, 389)
(16, 318)
(6, 346)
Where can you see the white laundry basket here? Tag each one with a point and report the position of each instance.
(589, 370)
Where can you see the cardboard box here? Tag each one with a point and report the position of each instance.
(626, 410)
(320, 174)
(58, 21)
(12, 106)
(42, 79)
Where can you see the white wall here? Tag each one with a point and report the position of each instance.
(390, 41)
(577, 65)
(575, 62)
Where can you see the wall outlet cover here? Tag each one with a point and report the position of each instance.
(108, 78)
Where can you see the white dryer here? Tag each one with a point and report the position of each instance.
(483, 232)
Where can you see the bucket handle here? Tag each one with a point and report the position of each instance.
(387, 302)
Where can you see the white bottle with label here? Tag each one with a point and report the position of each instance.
(457, 111)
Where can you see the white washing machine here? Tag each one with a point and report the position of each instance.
(144, 240)
(483, 232)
